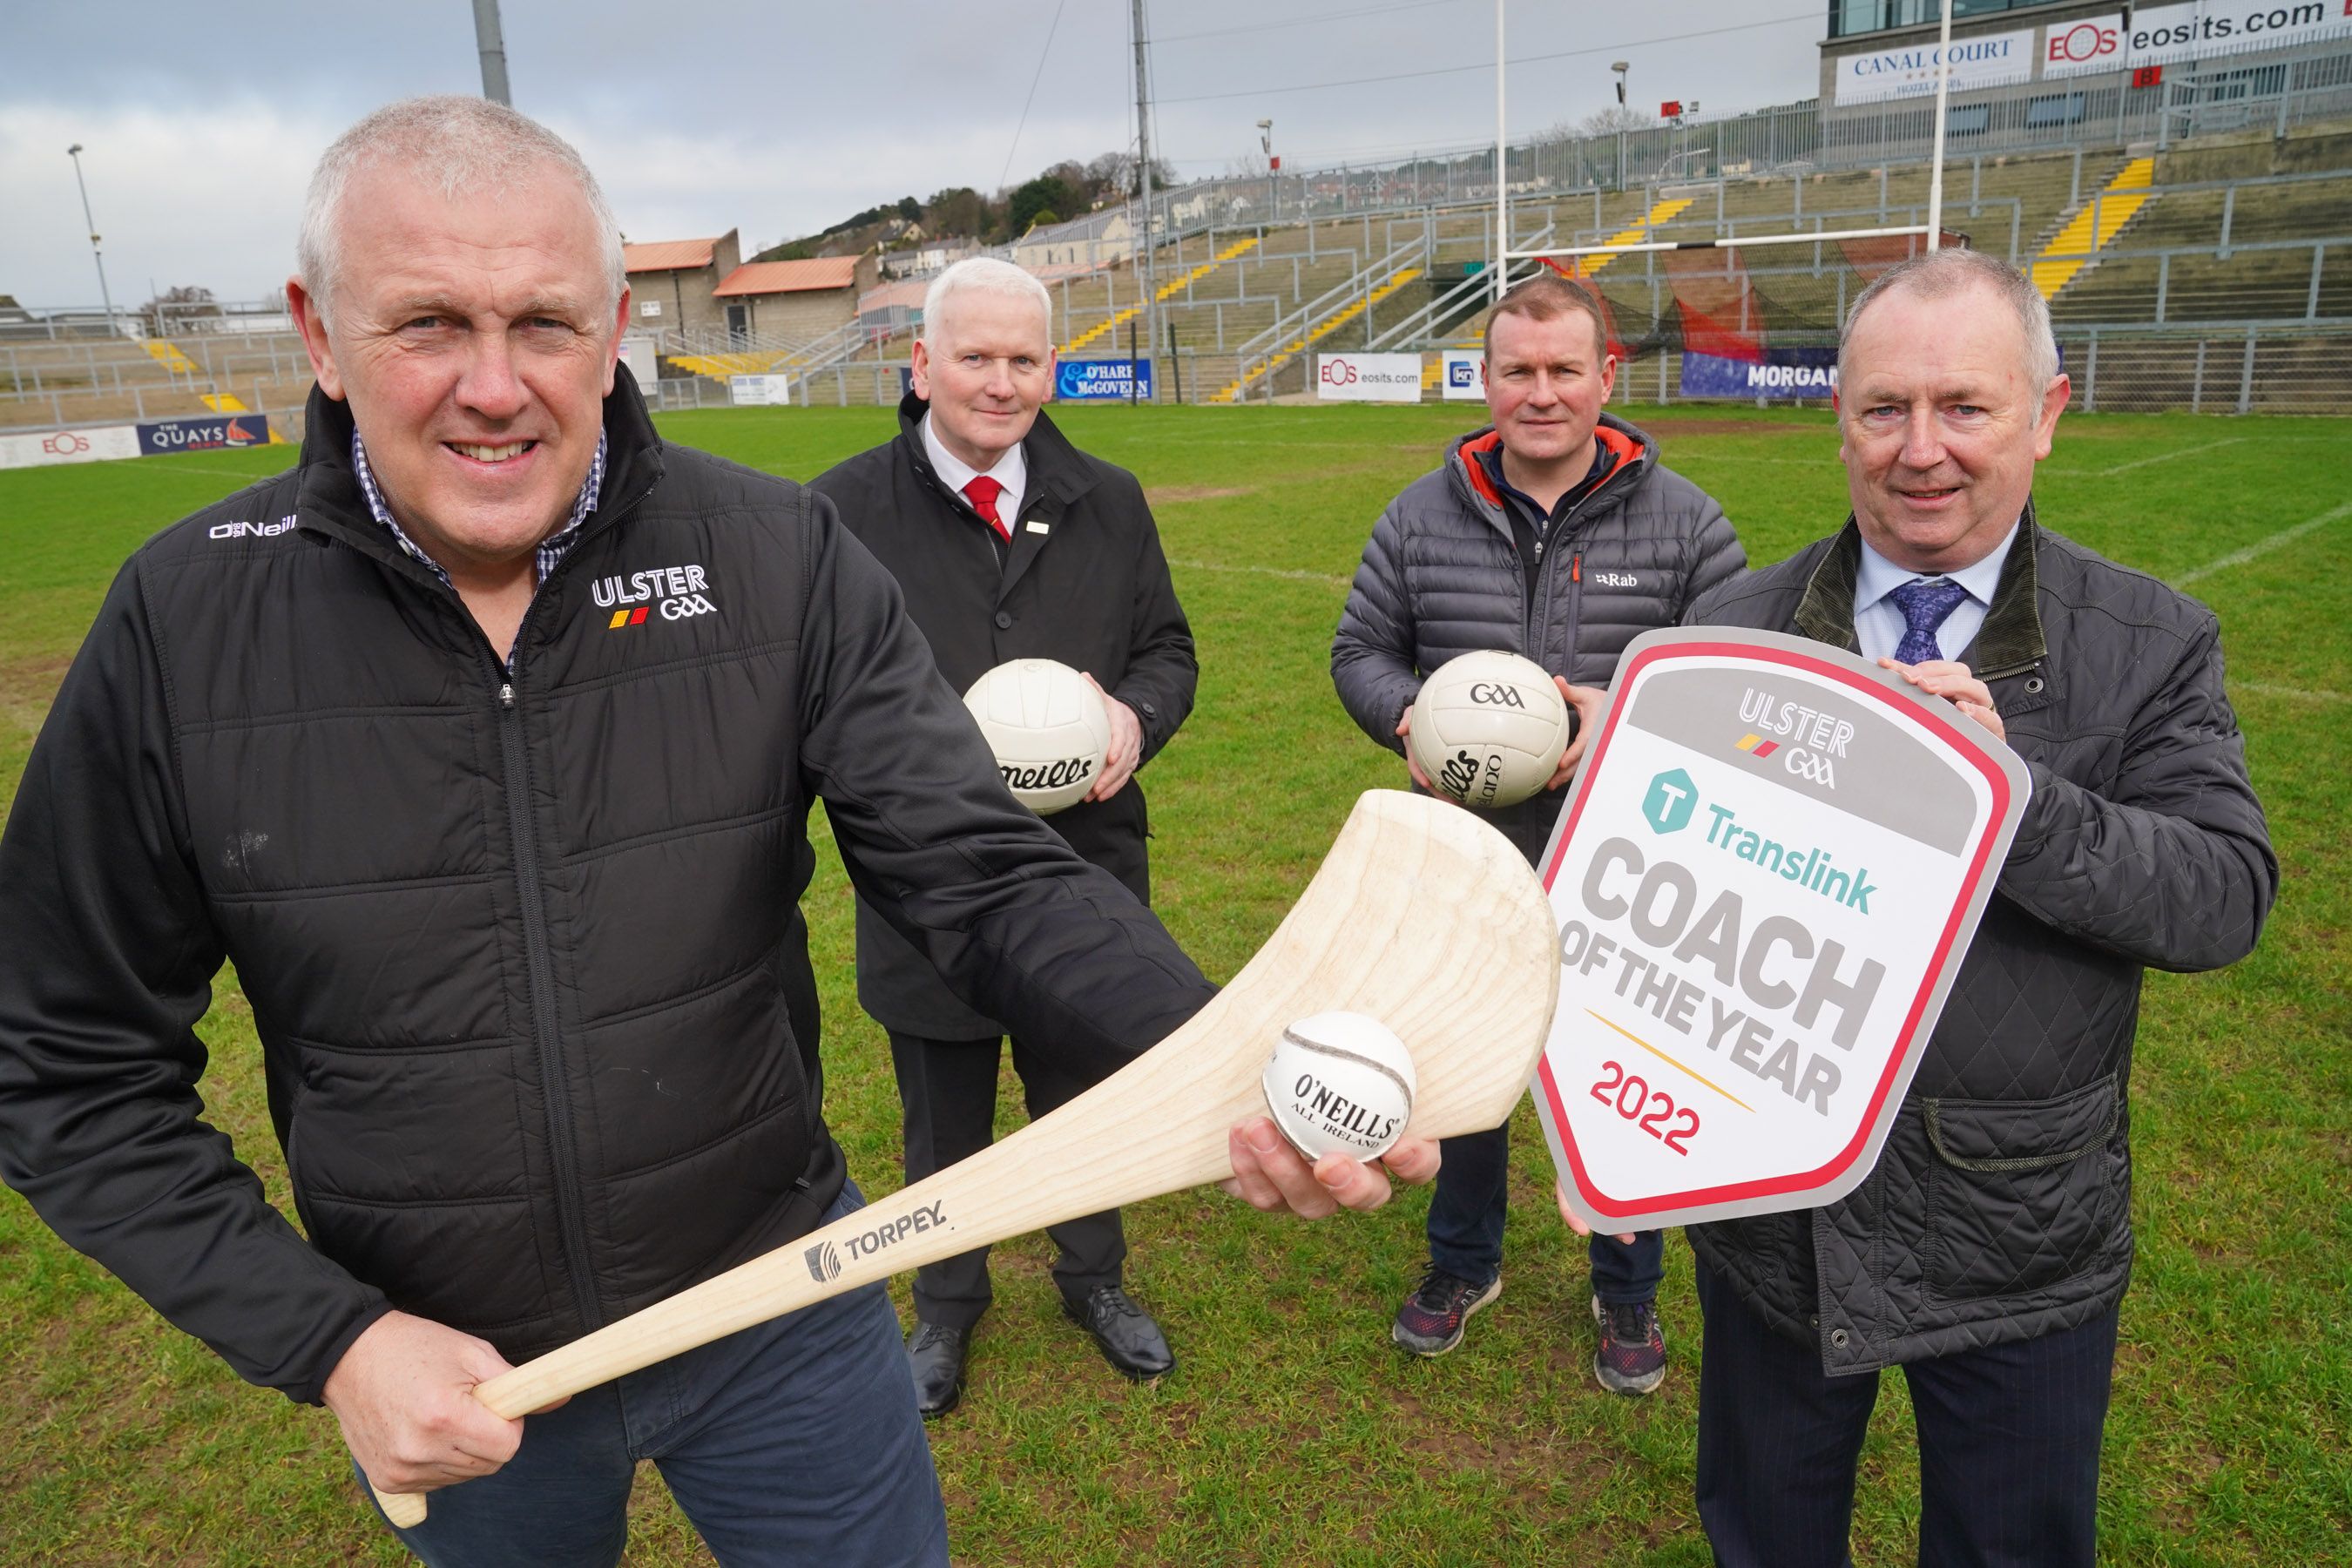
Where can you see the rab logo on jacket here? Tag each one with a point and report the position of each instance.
(674, 592)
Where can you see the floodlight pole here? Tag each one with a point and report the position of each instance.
(492, 42)
(1942, 93)
(1265, 145)
(1622, 68)
(91, 223)
(1143, 165)
(1502, 165)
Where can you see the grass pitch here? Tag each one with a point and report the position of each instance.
(1292, 1432)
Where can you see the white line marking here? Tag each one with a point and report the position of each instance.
(2166, 456)
(2260, 547)
(2294, 693)
(1323, 577)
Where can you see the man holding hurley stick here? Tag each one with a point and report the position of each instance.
(483, 742)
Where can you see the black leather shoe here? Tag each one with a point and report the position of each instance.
(936, 1352)
(1127, 1337)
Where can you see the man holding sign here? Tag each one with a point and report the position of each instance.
(1987, 1251)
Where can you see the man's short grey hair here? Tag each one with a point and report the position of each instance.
(1938, 273)
(456, 144)
(984, 275)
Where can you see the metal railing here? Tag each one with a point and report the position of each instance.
(1266, 351)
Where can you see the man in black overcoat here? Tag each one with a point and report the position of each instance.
(1010, 543)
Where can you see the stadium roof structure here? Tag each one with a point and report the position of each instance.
(668, 255)
(789, 276)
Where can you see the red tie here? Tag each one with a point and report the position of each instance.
(982, 492)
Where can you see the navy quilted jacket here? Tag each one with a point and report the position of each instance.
(1442, 576)
(2001, 1206)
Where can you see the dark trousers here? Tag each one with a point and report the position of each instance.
(1467, 1210)
(2008, 1445)
(946, 1091)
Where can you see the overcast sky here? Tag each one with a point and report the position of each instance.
(199, 124)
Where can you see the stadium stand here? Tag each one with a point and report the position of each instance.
(2215, 270)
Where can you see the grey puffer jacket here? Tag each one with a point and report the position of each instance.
(1999, 1208)
(1442, 576)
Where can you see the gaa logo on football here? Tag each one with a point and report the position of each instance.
(1498, 696)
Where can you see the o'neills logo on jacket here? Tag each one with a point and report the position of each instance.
(676, 591)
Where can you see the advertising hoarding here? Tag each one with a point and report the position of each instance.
(1463, 373)
(37, 449)
(759, 391)
(213, 432)
(1102, 379)
(1909, 72)
(1781, 375)
(1368, 378)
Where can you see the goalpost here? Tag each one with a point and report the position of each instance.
(1932, 230)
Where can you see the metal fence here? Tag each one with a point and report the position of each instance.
(2253, 88)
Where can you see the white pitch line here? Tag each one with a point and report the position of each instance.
(2166, 456)
(2260, 547)
(1323, 577)
(2294, 693)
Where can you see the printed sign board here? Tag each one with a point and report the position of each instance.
(1102, 379)
(1463, 374)
(2153, 35)
(1910, 71)
(37, 447)
(208, 434)
(757, 391)
(641, 353)
(1369, 378)
(1765, 878)
(1780, 373)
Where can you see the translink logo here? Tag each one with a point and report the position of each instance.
(1672, 799)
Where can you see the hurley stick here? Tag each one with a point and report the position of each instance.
(1421, 916)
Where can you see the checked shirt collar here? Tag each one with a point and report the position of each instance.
(552, 549)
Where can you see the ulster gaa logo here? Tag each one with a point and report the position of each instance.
(674, 592)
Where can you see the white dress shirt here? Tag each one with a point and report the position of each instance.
(1012, 472)
(1878, 623)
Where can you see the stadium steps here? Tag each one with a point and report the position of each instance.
(169, 357)
(2094, 226)
(1110, 324)
(1663, 213)
(224, 403)
(1339, 317)
(719, 367)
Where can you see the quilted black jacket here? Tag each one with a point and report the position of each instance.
(1442, 576)
(2001, 1207)
(523, 946)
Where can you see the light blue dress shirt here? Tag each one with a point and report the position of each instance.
(1878, 623)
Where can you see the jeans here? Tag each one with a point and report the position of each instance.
(793, 1442)
(2008, 1445)
(1465, 1224)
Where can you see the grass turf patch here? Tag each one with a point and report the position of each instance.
(1292, 1431)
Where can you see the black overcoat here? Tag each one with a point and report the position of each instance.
(1083, 582)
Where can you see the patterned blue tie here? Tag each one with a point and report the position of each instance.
(1925, 605)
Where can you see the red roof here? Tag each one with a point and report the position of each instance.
(790, 276)
(667, 254)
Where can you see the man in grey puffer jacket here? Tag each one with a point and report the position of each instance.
(1553, 533)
